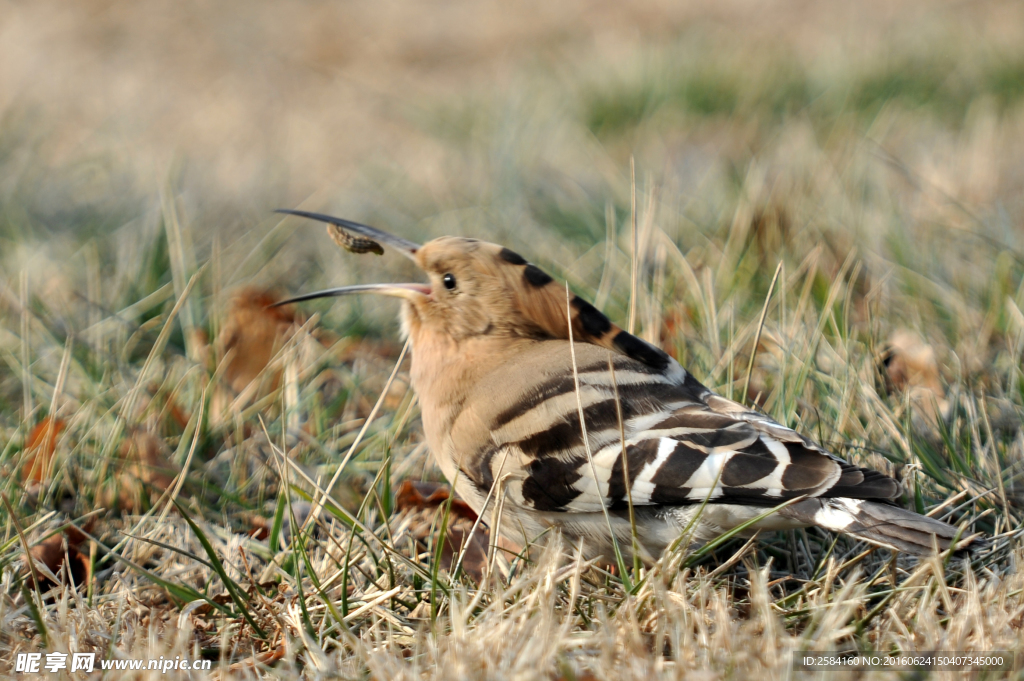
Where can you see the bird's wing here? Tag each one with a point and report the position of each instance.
(683, 444)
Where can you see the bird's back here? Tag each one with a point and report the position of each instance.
(683, 443)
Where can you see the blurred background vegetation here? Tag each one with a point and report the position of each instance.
(882, 125)
(141, 140)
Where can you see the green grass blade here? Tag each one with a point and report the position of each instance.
(275, 529)
(238, 595)
(37, 617)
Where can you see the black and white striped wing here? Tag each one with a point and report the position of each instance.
(683, 444)
(696, 454)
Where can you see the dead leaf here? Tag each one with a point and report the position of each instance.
(259, 528)
(909, 365)
(40, 447)
(909, 361)
(50, 553)
(151, 460)
(424, 501)
(254, 331)
(417, 495)
(676, 327)
(147, 472)
(169, 408)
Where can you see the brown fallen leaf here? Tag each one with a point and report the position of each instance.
(146, 474)
(474, 563)
(50, 553)
(909, 365)
(170, 411)
(676, 327)
(150, 458)
(424, 501)
(909, 361)
(259, 527)
(254, 331)
(252, 335)
(413, 495)
(40, 447)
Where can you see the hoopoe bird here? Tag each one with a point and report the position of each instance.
(505, 363)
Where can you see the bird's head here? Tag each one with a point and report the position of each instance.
(479, 289)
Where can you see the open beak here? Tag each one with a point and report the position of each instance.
(410, 292)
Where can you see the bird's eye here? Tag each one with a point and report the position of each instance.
(449, 281)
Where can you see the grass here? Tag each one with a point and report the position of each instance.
(886, 185)
(682, 87)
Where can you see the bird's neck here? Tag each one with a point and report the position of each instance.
(443, 372)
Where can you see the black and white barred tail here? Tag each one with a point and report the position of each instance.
(877, 523)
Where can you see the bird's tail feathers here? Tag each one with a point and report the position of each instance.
(880, 524)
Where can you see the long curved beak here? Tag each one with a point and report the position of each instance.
(403, 246)
(411, 292)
